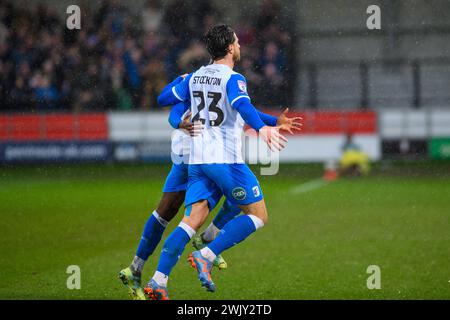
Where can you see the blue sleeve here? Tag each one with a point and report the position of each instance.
(237, 89)
(177, 112)
(248, 113)
(172, 84)
(167, 89)
(175, 93)
(268, 119)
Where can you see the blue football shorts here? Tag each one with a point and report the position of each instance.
(177, 178)
(211, 181)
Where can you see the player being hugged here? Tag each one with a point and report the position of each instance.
(219, 100)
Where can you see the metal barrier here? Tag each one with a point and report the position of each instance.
(376, 84)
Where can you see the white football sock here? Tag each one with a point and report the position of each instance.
(188, 229)
(208, 254)
(160, 278)
(210, 233)
(256, 221)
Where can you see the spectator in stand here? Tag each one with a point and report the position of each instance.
(45, 92)
(176, 22)
(152, 16)
(133, 63)
(20, 96)
(272, 55)
(203, 16)
(154, 81)
(272, 64)
(176, 19)
(193, 57)
(121, 95)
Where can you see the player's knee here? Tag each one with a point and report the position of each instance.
(193, 222)
(260, 218)
(196, 214)
(262, 214)
(173, 209)
(258, 210)
(259, 222)
(266, 220)
(169, 205)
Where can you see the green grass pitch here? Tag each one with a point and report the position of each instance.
(317, 244)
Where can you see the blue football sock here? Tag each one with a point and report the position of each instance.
(174, 247)
(234, 232)
(226, 214)
(151, 236)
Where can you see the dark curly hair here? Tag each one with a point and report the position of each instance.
(218, 39)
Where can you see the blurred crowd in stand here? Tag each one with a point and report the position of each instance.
(121, 60)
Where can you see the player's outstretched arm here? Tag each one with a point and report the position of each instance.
(283, 121)
(249, 113)
(274, 139)
(239, 100)
(267, 118)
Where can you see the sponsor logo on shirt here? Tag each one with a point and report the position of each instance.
(239, 193)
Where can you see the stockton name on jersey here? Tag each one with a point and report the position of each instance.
(212, 81)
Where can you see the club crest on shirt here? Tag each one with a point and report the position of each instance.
(242, 86)
(256, 192)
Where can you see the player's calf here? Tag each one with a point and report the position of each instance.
(173, 247)
(225, 215)
(170, 204)
(151, 236)
(234, 232)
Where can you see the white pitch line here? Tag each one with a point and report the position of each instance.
(309, 186)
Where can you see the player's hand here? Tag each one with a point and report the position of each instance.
(186, 123)
(274, 139)
(289, 124)
(184, 75)
(197, 129)
(193, 129)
